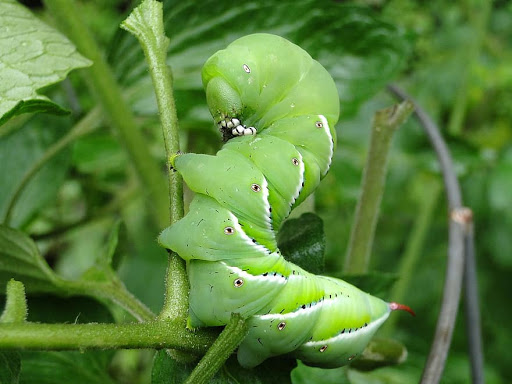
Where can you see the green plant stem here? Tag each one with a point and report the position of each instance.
(385, 123)
(146, 23)
(153, 334)
(220, 351)
(15, 303)
(478, 13)
(114, 291)
(413, 250)
(110, 95)
(85, 126)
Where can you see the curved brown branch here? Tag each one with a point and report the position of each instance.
(460, 248)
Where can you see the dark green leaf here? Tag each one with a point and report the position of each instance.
(20, 259)
(19, 150)
(302, 241)
(277, 370)
(166, 370)
(380, 352)
(78, 309)
(306, 375)
(272, 371)
(40, 105)
(102, 270)
(65, 367)
(9, 367)
(33, 56)
(361, 52)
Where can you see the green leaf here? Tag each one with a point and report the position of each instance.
(380, 352)
(106, 259)
(19, 150)
(33, 56)
(165, 369)
(302, 241)
(66, 367)
(277, 370)
(272, 371)
(99, 153)
(305, 375)
(361, 52)
(9, 367)
(77, 309)
(20, 259)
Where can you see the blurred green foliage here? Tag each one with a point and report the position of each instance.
(455, 58)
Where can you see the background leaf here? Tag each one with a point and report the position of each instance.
(66, 367)
(19, 150)
(9, 367)
(33, 56)
(361, 52)
(273, 371)
(20, 260)
(302, 242)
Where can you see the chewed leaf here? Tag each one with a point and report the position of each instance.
(33, 55)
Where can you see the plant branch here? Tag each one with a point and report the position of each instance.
(15, 310)
(456, 253)
(146, 23)
(472, 308)
(385, 123)
(219, 352)
(110, 95)
(114, 291)
(57, 337)
(85, 126)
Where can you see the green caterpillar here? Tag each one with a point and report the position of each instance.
(276, 108)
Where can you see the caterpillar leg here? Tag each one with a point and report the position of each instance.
(236, 127)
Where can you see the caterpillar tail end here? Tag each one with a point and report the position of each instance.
(401, 307)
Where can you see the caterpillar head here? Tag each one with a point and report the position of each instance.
(226, 108)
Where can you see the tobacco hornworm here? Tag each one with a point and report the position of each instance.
(276, 108)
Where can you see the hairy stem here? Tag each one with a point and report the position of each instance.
(385, 123)
(85, 126)
(111, 97)
(146, 23)
(153, 334)
(220, 351)
(15, 303)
